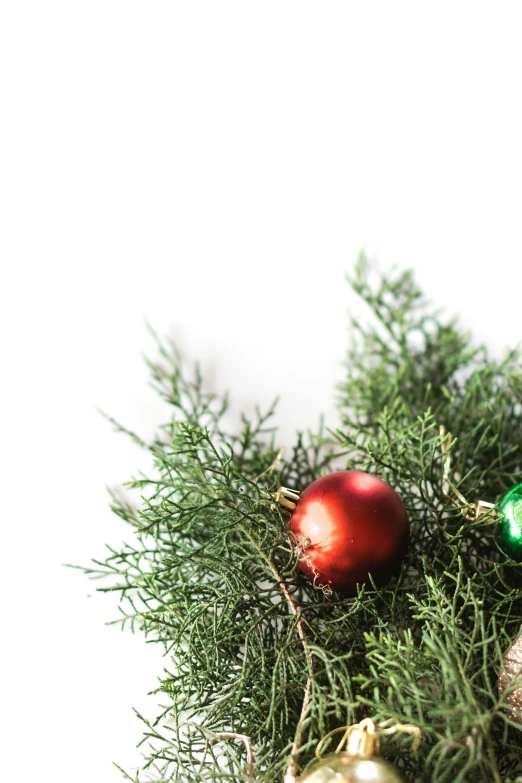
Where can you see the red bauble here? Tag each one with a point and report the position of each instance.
(350, 524)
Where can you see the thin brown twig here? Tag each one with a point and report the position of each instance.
(290, 774)
(291, 770)
(247, 741)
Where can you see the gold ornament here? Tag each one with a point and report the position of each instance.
(358, 762)
(341, 768)
(513, 668)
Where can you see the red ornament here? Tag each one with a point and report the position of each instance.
(350, 524)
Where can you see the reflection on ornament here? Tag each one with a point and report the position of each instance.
(513, 668)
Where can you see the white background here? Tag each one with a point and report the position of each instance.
(213, 167)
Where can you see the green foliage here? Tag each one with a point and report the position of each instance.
(210, 556)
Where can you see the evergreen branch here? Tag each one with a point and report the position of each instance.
(253, 652)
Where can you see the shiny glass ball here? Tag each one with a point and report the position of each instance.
(350, 524)
(342, 768)
(508, 532)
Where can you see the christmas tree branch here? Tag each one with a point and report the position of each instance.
(252, 649)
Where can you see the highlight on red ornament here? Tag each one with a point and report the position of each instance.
(349, 524)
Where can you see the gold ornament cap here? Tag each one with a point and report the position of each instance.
(363, 742)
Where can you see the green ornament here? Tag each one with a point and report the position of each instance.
(508, 533)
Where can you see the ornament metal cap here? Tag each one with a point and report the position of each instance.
(361, 740)
(286, 499)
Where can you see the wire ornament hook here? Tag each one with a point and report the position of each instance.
(285, 498)
(364, 739)
(470, 511)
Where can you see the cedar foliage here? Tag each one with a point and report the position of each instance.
(199, 576)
